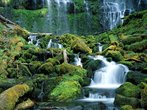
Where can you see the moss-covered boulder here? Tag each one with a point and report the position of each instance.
(66, 91)
(76, 43)
(129, 90)
(122, 100)
(46, 68)
(144, 96)
(126, 107)
(115, 55)
(25, 105)
(9, 97)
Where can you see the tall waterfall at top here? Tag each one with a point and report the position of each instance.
(58, 23)
(113, 11)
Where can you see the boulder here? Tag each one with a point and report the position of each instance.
(10, 97)
(129, 90)
(122, 100)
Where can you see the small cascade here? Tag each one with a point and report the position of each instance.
(37, 43)
(77, 61)
(52, 44)
(100, 47)
(113, 11)
(104, 82)
(31, 38)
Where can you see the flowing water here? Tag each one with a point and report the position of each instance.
(57, 23)
(113, 12)
(77, 61)
(54, 44)
(100, 47)
(104, 82)
(32, 38)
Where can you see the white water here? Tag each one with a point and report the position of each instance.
(58, 23)
(100, 47)
(113, 11)
(88, 15)
(31, 38)
(52, 44)
(77, 61)
(105, 80)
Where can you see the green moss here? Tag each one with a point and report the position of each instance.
(138, 46)
(115, 55)
(46, 68)
(129, 90)
(76, 43)
(11, 96)
(66, 91)
(126, 107)
(144, 97)
(122, 100)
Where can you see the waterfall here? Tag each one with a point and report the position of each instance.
(58, 23)
(52, 44)
(100, 47)
(37, 43)
(106, 79)
(77, 61)
(113, 11)
(31, 38)
(88, 15)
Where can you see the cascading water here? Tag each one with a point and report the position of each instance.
(57, 23)
(31, 38)
(113, 11)
(52, 44)
(88, 15)
(106, 79)
(100, 47)
(77, 61)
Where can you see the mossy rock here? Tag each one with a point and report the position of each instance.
(46, 68)
(144, 97)
(34, 65)
(9, 97)
(25, 105)
(68, 68)
(129, 90)
(136, 77)
(115, 55)
(122, 100)
(76, 43)
(126, 107)
(66, 91)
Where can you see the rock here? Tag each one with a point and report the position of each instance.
(116, 55)
(76, 43)
(25, 105)
(144, 97)
(46, 68)
(126, 107)
(129, 90)
(9, 97)
(66, 91)
(136, 77)
(122, 100)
